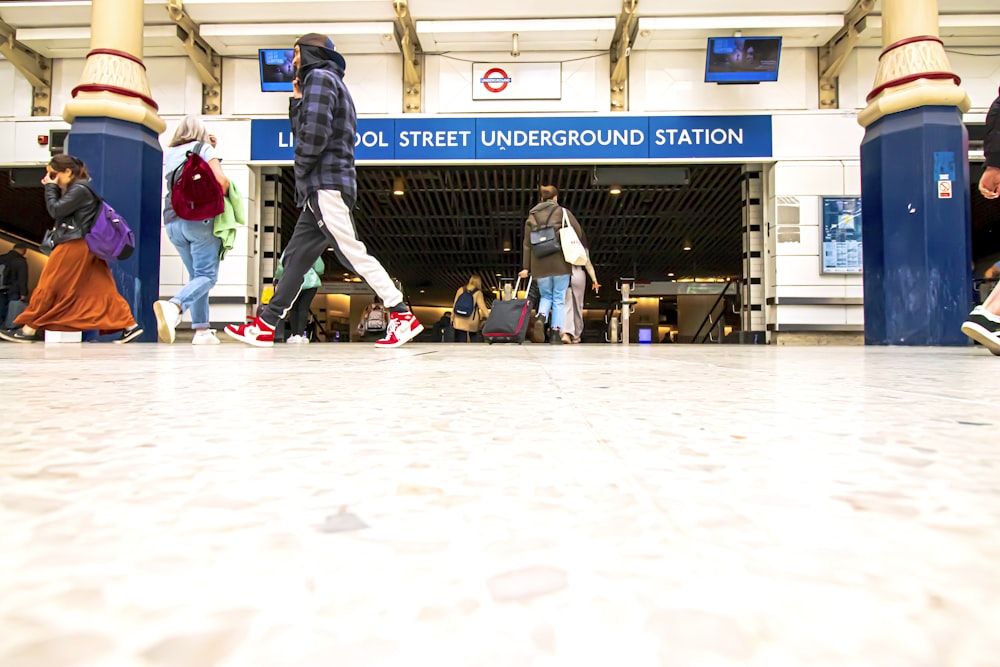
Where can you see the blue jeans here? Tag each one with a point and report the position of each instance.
(199, 250)
(552, 298)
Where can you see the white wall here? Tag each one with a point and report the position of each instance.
(375, 82)
(674, 82)
(8, 76)
(794, 241)
(15, 93)
(448, 85)
(979, 69)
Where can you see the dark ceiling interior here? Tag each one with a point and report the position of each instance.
(455, 221)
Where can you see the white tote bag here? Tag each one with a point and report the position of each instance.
(573, 250)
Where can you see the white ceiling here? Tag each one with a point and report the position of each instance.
(60, 28)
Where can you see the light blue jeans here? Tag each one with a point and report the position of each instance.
(199, 250)
(552, 291)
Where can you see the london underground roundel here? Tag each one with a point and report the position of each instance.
(495, 80)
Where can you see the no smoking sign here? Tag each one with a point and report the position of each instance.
(944, 189)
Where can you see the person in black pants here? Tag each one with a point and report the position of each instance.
(983, 323)
(298, 314)
(298, 318)
(324, 122)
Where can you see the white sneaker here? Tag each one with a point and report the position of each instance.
(293, 340)
(168, 315)
(205, 337)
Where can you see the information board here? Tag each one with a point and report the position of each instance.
(842, 248)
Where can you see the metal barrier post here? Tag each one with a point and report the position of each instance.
(625, 285)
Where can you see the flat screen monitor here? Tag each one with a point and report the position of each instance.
(276, 70)
(742, 59)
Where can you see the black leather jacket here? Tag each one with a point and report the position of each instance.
(74, 211)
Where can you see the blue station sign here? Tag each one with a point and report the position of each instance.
(622, 138)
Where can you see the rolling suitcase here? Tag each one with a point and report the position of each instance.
(509, 320)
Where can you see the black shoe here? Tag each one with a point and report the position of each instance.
(130, 334)
(983, 330)
(555, 337)
(18, 336)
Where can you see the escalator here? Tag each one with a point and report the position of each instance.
(22, 206)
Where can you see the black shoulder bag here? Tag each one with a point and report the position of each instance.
(545, 240)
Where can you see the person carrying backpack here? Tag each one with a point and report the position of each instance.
(76, 291)
(191, 227)
(469, 311)
(544, 259)
(374, 320)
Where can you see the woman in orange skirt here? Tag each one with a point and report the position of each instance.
(76, 291)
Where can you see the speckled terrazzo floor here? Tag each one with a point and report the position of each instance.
(173, 506)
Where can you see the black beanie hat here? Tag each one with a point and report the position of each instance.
(323, 47)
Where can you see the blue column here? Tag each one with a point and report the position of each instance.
(917, 243)
(126, 164)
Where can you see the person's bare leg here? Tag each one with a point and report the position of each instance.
(992, 303)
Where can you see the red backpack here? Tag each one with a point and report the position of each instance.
(195, 193)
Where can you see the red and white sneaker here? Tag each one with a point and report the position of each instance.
(257, 333)
(403, 327)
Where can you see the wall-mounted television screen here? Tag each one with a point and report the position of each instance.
(742, 59)
(276, 70)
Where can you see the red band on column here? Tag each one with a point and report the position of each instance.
(120, 54)
(104, 88)
(910, 78)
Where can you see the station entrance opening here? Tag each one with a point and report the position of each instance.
(675, 230)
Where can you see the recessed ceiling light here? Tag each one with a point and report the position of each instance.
(615, 190)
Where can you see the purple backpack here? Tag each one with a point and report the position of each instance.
(110, 238)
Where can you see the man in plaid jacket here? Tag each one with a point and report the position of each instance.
(324, 124)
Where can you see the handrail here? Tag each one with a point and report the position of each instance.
(15, 239)
(708, 316)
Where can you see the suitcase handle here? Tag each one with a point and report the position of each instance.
(517, 285)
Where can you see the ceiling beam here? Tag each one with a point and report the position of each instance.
(621, 48)
(409, 46)
(33, 66)
(206, 61)
(834, 53)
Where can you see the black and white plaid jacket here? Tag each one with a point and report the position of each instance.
(324, 123)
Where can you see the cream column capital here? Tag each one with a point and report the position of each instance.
(114, 83)
(913, 69)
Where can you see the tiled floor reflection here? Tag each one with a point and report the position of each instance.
(466, 506)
